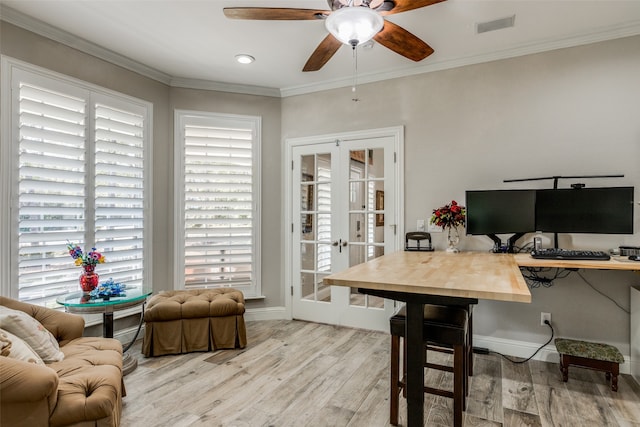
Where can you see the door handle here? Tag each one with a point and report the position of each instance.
(340, 244)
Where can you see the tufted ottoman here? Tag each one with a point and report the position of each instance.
(194, 320)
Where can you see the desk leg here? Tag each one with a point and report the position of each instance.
(415, 364)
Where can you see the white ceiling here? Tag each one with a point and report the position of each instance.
(191, 43)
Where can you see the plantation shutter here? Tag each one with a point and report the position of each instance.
(79, 177)
(119, 190)
(51, 189)
(219, 203)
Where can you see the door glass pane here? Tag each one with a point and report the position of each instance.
(324, 258)
(307, 256)
(357, 227)
(357, 254)
(324, 227)
(308, 168)
(307, 226)
(376, 163)
(323, 167)
(307, 200)
(366, 214)
(357, 198)
(315, 245)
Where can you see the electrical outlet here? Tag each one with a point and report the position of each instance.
(420, 225)
(544, 316)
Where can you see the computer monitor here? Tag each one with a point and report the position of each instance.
(500, 211)
(605, 210)
(493, 212)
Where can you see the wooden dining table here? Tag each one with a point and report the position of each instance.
(442, 278)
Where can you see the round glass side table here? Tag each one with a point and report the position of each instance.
(81, 303)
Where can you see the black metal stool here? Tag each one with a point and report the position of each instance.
(444, 327)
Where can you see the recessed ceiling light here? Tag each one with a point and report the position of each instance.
(245, 59)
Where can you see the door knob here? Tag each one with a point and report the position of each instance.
(335, 243)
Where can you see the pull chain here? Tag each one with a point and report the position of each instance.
(355, 75)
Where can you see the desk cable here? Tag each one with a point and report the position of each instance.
(602, 293)
(535, 280)
(528, 358)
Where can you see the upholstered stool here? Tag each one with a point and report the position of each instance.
(444, 326)
(183, 321)
(601, 357)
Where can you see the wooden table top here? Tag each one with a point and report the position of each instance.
(615, 263)
(465, 275)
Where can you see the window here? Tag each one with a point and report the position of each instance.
(75, 160)
(217, 201)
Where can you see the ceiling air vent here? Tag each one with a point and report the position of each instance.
(496, 24)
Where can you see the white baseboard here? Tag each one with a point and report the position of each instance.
(267, 313)
(525, 349)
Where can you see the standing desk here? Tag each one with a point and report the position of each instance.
(419, 278)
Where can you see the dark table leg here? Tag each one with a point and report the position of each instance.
(415, 347)
(415, 364)
(107, 324)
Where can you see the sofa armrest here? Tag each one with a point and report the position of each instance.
(28, 393)
(64, 326)
(22, 381)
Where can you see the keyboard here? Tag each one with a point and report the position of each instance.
(570, 254)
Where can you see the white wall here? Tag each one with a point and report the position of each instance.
(567, 112)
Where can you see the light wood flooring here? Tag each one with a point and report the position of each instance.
(296, 373)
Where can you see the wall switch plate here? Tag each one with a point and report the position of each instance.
(420, 225)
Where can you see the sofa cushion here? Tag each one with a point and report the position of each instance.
(32, 332)
(13, 347)
(88, 393)
(89, 351)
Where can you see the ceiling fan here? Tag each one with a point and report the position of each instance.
(343, 16)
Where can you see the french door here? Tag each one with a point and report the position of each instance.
(344, 212)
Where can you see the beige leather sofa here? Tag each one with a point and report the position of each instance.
(84, 389)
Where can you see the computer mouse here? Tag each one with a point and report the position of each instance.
(634, 257)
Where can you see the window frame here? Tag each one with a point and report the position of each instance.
(12, 68)
(255, 123)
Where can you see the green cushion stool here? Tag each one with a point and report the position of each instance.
(601, 357)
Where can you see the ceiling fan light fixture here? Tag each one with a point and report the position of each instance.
(243, 58)
(354, 25)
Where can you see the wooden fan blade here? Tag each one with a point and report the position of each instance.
(323, 53)
(405, 5)
(274, 13)
(402, 42)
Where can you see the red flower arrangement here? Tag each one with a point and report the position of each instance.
(449, 216)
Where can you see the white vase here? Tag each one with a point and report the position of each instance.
(453, 237)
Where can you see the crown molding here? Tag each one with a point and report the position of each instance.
(598, 35)
(224, 87)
